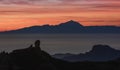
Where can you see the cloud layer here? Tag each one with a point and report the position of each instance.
(26, 2)
(38, 2)
(114, 4)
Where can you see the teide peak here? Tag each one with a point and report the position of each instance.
(71, 24)
(67, 27)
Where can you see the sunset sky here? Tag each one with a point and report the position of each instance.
(15, 14)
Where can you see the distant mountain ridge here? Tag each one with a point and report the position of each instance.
(67, 27)
(98, 53)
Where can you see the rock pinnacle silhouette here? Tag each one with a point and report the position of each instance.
(37, 44)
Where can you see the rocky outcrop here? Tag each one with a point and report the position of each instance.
(31, 58)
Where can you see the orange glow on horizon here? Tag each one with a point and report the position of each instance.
(19, 14)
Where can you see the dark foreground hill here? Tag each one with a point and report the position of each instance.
(33, 58)
(67, 27)
(98, 53)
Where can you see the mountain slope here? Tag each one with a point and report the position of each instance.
(68, 27)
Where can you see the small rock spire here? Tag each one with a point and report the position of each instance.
(37, 44)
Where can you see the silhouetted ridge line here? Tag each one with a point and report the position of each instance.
(33, 58)
(67, 27)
